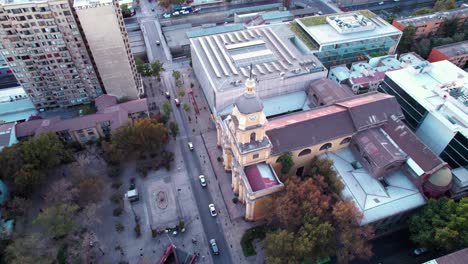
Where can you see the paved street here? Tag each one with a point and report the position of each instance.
(323, 6)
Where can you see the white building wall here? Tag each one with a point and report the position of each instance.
(434, 133)
(101, 27)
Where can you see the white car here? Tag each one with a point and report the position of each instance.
(176, 13)
(190, 145)
(184, 12)
(212, 210)
(202, 180)
(381, 3)
(167, 15)
(158, 42)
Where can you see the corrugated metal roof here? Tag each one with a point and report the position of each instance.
(277, 15)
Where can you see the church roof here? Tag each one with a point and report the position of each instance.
(248, 104)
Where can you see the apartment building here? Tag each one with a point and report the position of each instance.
(102, 23)
(432, 24)
(456, 53)
(43, 46)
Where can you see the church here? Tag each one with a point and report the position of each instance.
(386, 169)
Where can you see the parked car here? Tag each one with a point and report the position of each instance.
(196, 10)
(212, 210)
(167, 15)
(133, 195)
(190, 145)
(381, 3)
(419, 251)
(214, 246)
(184, 12)
(176, 13)
(202, 180)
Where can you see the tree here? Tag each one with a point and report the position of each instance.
(174, 128)
(61, 191)
(169, 3)
(176, 74)
(157, 67)
(143, 136)
(45, 151)
(181, 92)
(90, 190)
(288, 208)
(286, 162)
(167, 108)
(423, 11)
(279, 247)
(58, 221)
(125, 11)
(324, 167)
(17, 207)
(143, 68)
(31, 249)
(423, 47)
(450, 27)
(186, 107)
(441, 225)
(407, 39)
(442, 5)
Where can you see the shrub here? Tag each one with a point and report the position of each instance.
(137, 230)
(119, 227)
(154, 232)
(181, 224)
(116, 184)
(117, 211)
(249, 236)
(115, 198)
(219, 159)
(235, 200)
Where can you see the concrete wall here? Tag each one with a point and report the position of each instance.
(101, 26)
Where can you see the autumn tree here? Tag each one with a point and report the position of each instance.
(89, 190)
(58, 221)
(441, 225)
(142, 136)
(31, 249)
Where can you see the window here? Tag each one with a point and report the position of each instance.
(326, 146)
(345, 141)
(255, 156)
(252, 137)
(304, 152)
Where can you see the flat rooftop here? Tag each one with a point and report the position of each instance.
(454, 49)
(438, 80)
(227, 57)
(332, 29)
(422, 19)
(261, 176)
(371, 197)
(90, 3)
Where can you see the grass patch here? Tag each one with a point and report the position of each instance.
(320, 20)
(302, 36)
(249, 236)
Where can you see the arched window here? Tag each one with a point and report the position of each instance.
(345, 141)
(326, 146)
(252, 136)
(304, 152)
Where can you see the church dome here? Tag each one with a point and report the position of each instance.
(441, 178)
(249, 102)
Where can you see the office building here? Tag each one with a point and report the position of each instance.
(386, 169)
(281, 64)
(102, 24)
(456, 53)
(349, 37)
(434, 99)
(432, 24)
(42, 44)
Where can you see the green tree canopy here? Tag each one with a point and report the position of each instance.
(142, 136)
(156, 68)
(125, 11)
(442, 5)
(143, 68)
(176, 74)
(286, 162)
(167, 108)
(31, 249)
(58, 221)
(407, 39)
(441, 225)
(174, 128)
(423, 11)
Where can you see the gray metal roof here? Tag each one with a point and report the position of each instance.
(248, 104)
